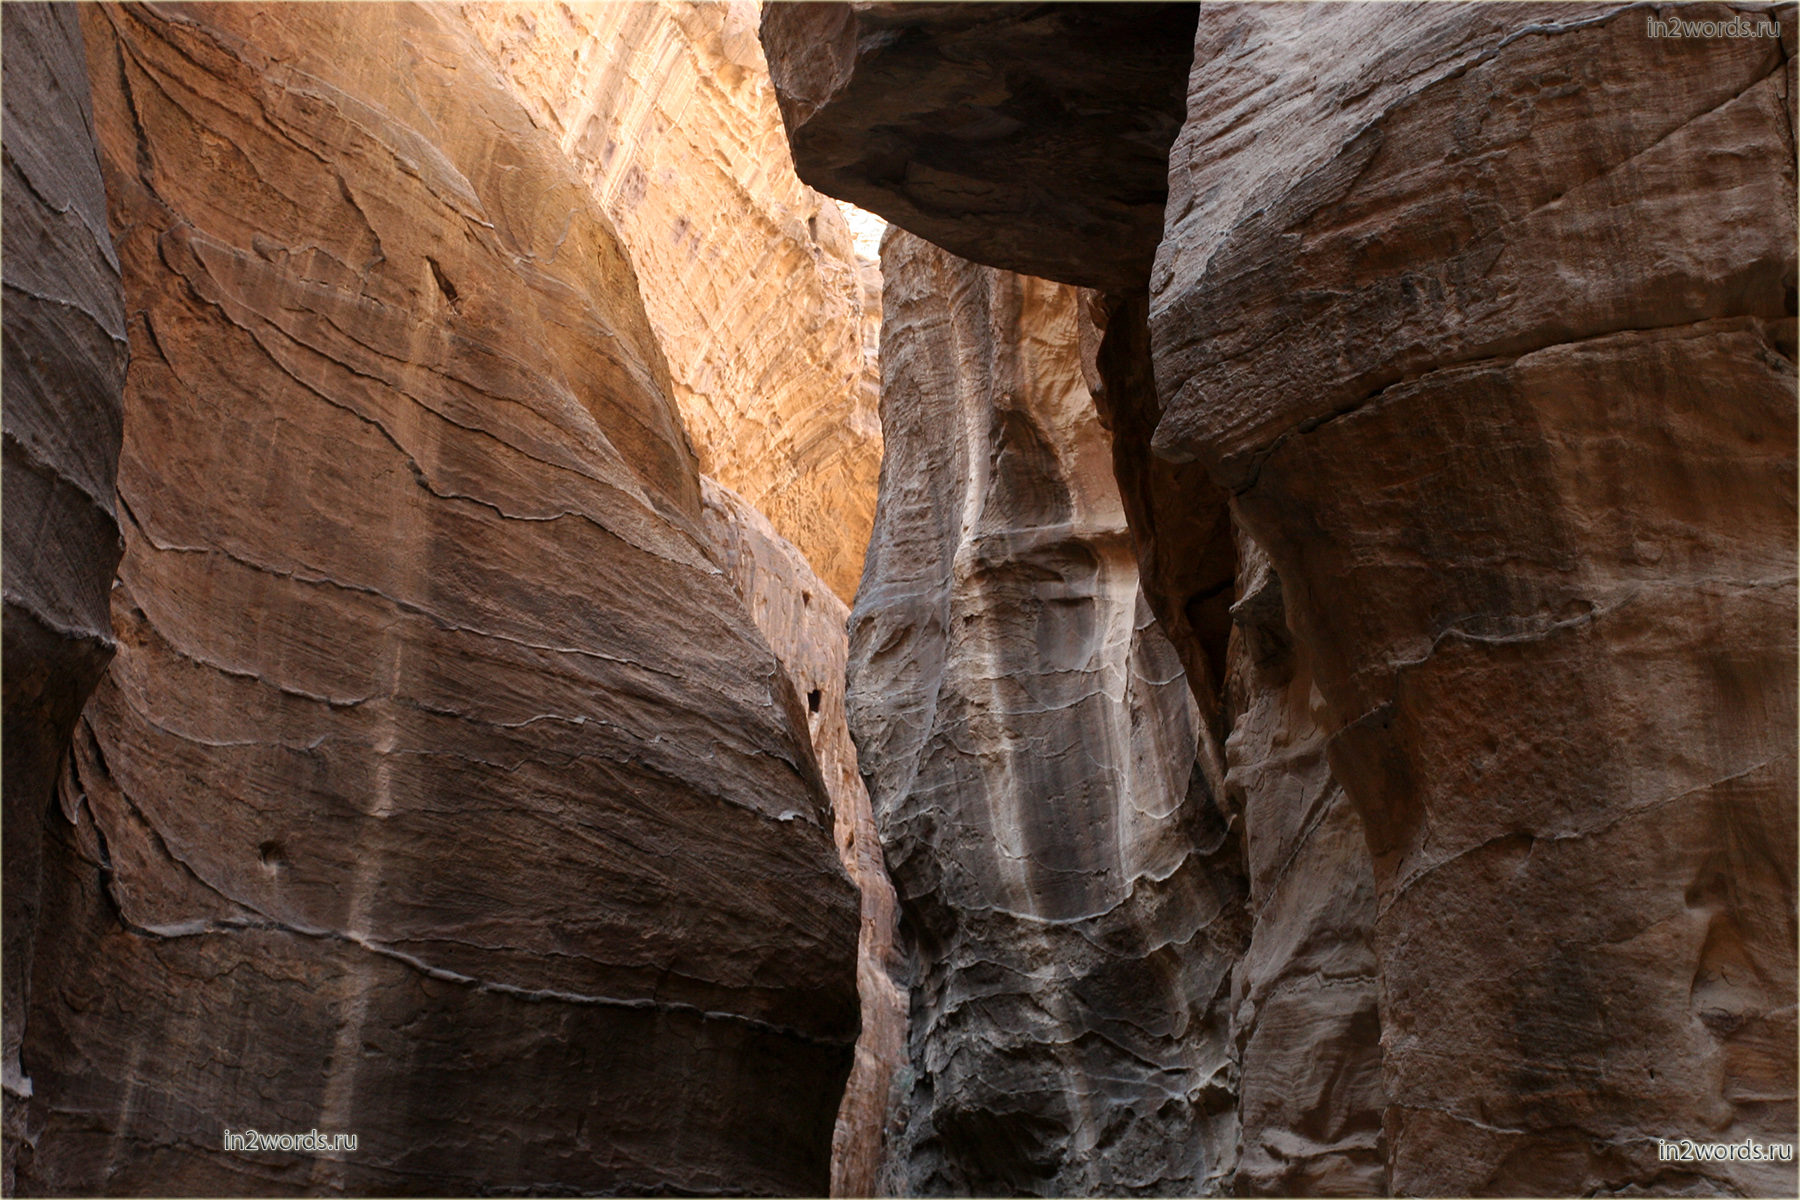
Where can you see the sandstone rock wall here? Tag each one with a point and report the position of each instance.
(806, 626)
(749, 276)
(1482, 320)
(1070, 900)
(64, 373)
(1486, 317)
(443, 790)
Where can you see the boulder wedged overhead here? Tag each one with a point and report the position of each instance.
(1485, 314)
(64, 377)
(1031, 137)
(1070, 897)
(442, 792)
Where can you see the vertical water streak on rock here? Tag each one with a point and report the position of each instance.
(1071, 919)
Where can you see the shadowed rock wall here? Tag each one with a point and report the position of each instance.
(1486, 317)
(1068, 885)
(442, 791)
(749, 276)
(806, 626)
(64, 375)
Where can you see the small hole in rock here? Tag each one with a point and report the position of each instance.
(812, 700)
(272, 854)
(805, 597)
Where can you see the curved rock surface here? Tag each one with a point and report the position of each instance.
(1483, 319)
(1068, 884)
(749, 276)
(1486, 315)
(64, 377)
(442, 791)
(1033, 137)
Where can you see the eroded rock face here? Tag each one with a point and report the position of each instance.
(1486, 316)
(442, 791)
(1305, 1019)
(806, 626)
(1067, 879)
(64, 375)
(748, 275)
(1032, 137)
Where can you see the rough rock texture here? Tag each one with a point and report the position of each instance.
(1033, 137)
(64, 374)
(1306, 1020)
(1486, 315)
(442, 790)
(1068, 882)
(1483, 315)
(749, 276)
(806, 626)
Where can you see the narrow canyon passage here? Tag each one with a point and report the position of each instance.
(1247, 648)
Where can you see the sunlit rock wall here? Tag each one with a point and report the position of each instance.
(749, 276)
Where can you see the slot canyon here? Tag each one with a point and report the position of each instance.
(634, 597)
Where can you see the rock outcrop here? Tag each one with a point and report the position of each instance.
(442, 791)
(749, 276)
(806, 626)
(1481, 318)
(1033, 137)
(1486, 317)
(64, 377)
(1070, 898)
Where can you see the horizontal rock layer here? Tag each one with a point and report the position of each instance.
(64, 374)
(748, 275)
(1032, 137)
(1069, 895)
(443, 791)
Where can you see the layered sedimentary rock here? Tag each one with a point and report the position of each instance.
(64, 375)
(749, 276)
(1070, 897)
(1486, 315)
(442, 792)
(806, 626)
(1033, 137)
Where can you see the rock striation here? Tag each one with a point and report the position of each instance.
(64, 372)
(1306, 1021)
(1474, 325)
(1071, 905)
(442, 790)
(748, 275)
